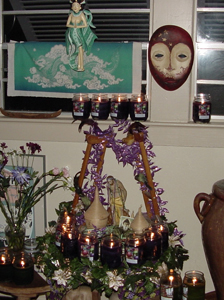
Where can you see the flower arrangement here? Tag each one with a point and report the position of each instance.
(20, 189)
(135, 282)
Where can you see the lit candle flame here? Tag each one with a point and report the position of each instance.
(80, 98)
(194, 280)
(119, 99)
(87, 240)
(22, 262)
(99, 98)
(137, 243)
(70, 236)
(111, 244)
(139, 99)
(171, 278)
(152, 235)
(3, 259)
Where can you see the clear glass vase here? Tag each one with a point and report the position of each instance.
(15, 237)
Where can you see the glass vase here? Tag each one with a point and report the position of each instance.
(15, 237)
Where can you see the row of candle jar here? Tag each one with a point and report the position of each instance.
(137, 247)
(119, 107)
(18, 268)
(192, 287)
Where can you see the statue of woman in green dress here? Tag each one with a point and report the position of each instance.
(79, 36)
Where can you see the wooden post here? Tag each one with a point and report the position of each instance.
(139, 137)
(91, 140)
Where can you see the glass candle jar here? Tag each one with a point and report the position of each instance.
(5, 265)
(100, 107)
(88, 245)
(119, 108)
(134, 249)
(138, 108)
(162, 227)
(194, 286)
(23, 269)
(81, 106)
(111, 251)
(171, 286)
(153, 244)
(202, 108)
(69, 241)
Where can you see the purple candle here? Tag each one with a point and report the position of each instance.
(165, 236)
(134, 249)
(111, 251)
(88, 246)
(119, 108)
(100, 107)
(138, 108)
(153, 244)
(5, 265)
(81, 106)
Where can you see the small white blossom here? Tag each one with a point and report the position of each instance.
(161, 270)
(79, 207)
(115, 281)
(87, 276)
(61, 276)
(174, 241)
(50, 230)
(55, 263)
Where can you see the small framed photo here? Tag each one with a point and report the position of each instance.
(125, 222)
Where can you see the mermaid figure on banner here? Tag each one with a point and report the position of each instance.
(79, 36)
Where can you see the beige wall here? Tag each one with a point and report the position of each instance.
(190, 155)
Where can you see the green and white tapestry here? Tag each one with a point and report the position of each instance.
(42, 69)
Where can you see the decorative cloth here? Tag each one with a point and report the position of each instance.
(42, 69)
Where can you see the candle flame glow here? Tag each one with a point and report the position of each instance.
(171, 278)
(152, 235)
(81, 98)
(137, 243)
(87, 240)
(70, 236)
(111, 244)
(99, 98)
(139, 99)
(119, 99)
(194, 280)
(22, 262)
(3, 259)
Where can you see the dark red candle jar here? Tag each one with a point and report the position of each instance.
(134, 249)
(81, 106)
(23, 269)
(138, 108)
(88, 245)
(100, 107)
(119, 108)
(202, 108)
(153, 244)
(111, 251)
(5, 265)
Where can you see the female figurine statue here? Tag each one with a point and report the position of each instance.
(117, 195)
(79, 36)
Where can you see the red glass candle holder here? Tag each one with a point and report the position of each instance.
(111, 251)
(138, 108)
(23, 269)
(153, 244)
(81, 106)
(100, 107)
(119, 108)
(5, 265)
(202, 108)
(134, 249)
(88, 245)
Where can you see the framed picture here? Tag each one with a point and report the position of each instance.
(125, 222)
(35, 222)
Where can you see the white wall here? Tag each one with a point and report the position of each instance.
(190, 155)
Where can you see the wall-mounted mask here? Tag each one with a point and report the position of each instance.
(171, 55)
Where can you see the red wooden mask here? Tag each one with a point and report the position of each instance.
(171, 55)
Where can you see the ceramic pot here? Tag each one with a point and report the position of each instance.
(212, 220)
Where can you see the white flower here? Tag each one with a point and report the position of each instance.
(79, 207)
(115, 281)
(87, 276)
(50, 230)
(174, 241)
(61, 276)
(161, 270)
(55, 263)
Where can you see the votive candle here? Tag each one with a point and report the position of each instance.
(23, 269)
(5, 265)
(111, 251)
(81, 106)
(119, 108)
(100, 107)
(194, 286)
(138, 108)
(88, 245)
